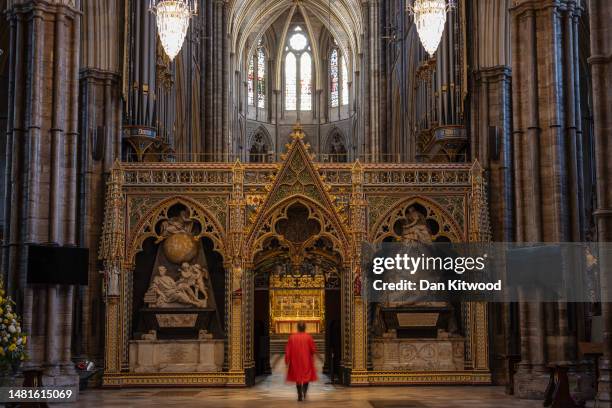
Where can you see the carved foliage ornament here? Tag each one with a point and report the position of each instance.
(297, 224)
(297, 182)
(443, 228)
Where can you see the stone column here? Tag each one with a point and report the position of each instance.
(5, 62)
(217, 40)
(366, 79)
(358, 322)
(544, 178)
(100, 121)
(358, 125)
(601, 68)
(491, 136)
(226, 134)
(374, 62)
(112, 252)
(42, 149)
(491, 143)
(206, 84)
(239, 286)
(278, 109)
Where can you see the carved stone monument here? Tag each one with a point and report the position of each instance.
(176, 356)
(439, 354)
(188, 290)
(419, 335)
(180, 306)
(415, 230)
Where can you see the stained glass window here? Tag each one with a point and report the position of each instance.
(261, 78)
(298, 42)
(290, 82)
(345, 80)
(333, 78)
(251, 83)
(305, 82)
(298, 72)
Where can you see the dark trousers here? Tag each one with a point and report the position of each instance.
(302, 389)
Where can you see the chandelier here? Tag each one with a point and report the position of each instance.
(430, 19)
(172, 18)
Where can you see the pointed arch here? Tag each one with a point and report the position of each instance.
(250, 19)
(146, 226)
(383, 227)
(259, 145)
(265, 228)
(336, 146)
(297, 181)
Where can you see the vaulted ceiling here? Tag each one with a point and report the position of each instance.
(249, 19)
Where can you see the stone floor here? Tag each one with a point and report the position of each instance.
(272, 392)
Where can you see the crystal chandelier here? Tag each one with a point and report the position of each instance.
(172, 17)
(430, 19)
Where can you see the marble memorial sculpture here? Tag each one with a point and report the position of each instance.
(188, 290)
(415, 230)
(179, 244)
(417, 236)
(445, 351)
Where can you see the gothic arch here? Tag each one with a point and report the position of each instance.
(336, 145)
(210, 226)
(268, 43)
(255, 17)
(448, 228)
(265, 228)
(261, 141)
(314, 44)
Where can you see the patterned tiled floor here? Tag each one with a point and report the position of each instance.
(272, 392)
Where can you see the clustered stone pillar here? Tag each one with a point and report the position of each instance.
(4, 84)
(215, 63)
(547, 202)
(374, 80)
(491, 109)
(491, 142)
(601, 68)
(100, 145)
(40, 198)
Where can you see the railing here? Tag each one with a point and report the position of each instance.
(273, 157)
(215, 174)
(174, 176)
(417, 177)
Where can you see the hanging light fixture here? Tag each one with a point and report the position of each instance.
(430, 19)
(172, 18)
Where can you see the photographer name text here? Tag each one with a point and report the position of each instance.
(426, 285)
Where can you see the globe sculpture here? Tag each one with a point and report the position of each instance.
(179, 248)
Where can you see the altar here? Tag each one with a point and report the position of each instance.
(289, 325)
(288, 307)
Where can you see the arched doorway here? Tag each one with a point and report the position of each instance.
(336, 147)
(297, 277)
(260, 146)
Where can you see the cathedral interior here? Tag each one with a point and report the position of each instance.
(202, 174)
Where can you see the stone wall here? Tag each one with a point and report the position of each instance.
(41, 201)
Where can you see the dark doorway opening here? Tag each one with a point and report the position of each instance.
(261, 331)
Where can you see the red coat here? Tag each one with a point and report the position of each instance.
(299, 356)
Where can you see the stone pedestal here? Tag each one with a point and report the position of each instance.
(391, 354)
(530, 382)
(176, 356)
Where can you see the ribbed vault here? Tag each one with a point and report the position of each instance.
(249, 19)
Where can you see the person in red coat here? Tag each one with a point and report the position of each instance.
(299, 357)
